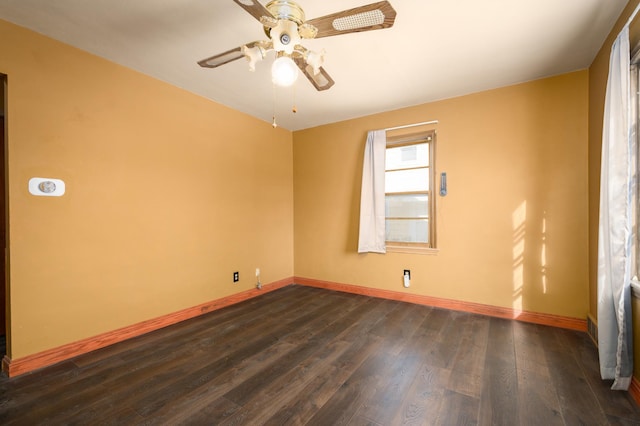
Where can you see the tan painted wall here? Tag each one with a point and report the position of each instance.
(513, 230)
(167, 195)
(598, 73)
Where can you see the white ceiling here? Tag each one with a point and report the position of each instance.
(437, 49)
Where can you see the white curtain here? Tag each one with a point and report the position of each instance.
(372, 214)
(615, 234)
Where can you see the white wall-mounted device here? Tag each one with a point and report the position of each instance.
(406, 278)
(46, 187)
(443, 184)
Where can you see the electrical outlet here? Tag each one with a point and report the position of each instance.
(406, 278)
(236, 277)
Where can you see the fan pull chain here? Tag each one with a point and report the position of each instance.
(295, 92)
(274, 124)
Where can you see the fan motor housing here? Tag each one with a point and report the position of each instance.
(283, 9)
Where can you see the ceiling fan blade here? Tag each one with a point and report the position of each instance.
(226, 57)
(256, 9)
(321, 81)
(222, 58)
(375, 16)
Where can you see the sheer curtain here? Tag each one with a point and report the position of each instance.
(372, 205)
(616, 238)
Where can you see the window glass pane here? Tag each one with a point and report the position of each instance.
(407, 180)
(404, 157)
(414, 205)
(408, 231)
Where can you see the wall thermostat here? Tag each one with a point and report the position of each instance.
(47, 187)
(443, 184)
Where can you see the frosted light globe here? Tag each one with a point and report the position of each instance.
(284, 72)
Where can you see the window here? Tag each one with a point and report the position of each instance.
(409, 201)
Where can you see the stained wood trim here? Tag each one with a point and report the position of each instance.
(455, 305)
(15, 367)
(404, 170)
(634, 390)
(415, 249)
(635, 290)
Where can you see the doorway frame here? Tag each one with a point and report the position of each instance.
(4, 216)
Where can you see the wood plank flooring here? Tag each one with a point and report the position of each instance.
(303, 355)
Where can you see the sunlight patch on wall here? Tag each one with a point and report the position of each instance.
(518, 219)
(543, 255)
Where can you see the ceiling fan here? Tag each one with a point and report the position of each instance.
(285, 25)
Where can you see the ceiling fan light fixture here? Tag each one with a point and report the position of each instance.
(315, 60)
(253, 55)
(285, 26)
(284, 72)
(285, 36)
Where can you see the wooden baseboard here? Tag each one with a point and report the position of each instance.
(634, 390)
(15, 367)
(476, 308)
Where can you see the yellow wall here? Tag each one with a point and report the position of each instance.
(167, 195)
(598, 73)
(512, 232)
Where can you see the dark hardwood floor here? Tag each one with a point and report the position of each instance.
(301, 355)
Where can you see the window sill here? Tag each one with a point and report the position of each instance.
(412, 250)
